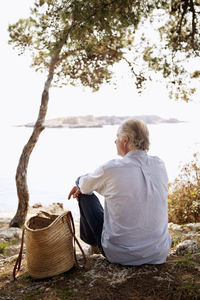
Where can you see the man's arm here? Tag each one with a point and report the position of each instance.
(92, 182)
(89, 183)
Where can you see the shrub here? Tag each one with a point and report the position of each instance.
(184, 194)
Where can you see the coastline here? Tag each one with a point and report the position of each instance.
(90, 121)
(183, 263)
(54, 208)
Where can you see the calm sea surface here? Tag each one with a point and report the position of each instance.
(62, 154)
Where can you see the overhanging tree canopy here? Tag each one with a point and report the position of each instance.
(88, 36)
(77, 42)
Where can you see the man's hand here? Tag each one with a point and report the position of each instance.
(74, 192)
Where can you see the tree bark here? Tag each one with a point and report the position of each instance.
(21, 173)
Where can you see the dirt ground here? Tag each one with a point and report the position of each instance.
(178, 278)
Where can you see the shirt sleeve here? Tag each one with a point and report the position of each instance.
(92, 182)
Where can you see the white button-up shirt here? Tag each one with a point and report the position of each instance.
(135, 188)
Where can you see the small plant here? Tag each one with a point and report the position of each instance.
(3, 246)
(190, 289)
(186, 261)
(184, 194)
(30, 295)
(64, 293)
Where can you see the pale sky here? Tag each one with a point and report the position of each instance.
(21, 88)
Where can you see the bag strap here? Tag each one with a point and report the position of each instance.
(19, 258)
(71, 226)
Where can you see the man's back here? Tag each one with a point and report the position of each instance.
(135, 227)
(136, 230)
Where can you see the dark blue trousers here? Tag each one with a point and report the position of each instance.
(91, 220)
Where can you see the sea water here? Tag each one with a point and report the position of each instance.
(63, 154)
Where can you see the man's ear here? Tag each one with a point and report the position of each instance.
(126, 140)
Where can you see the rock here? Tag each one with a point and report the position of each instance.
(5, 220)
(114, 274)
(188, 246)
(193, 226)
(9, 259)
(11, 234)
(54, 208)
(2, 240)
(192, 235)
(185, 232)
(12, 258)
(187, 229)
(196, 257)
(37, 205)
(33, 287)
(12, 250)
(175, 227)
(159, 278)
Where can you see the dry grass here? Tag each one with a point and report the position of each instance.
(178, 278)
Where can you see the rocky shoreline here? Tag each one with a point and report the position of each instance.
(178, 278)
(185, 238)
(10, 238)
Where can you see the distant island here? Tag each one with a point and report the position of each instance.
(91, 121)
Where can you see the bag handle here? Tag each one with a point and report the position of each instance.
(46, 214)
(19, 258)
(71, 226)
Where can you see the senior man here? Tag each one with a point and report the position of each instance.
(132, 229)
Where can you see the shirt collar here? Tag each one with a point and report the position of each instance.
(135, 153)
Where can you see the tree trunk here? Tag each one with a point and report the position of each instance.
(21, 173)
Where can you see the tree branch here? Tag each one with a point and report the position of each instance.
(139, 77)
(184, 6)
(193, 21)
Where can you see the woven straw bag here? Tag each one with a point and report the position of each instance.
(50, 245)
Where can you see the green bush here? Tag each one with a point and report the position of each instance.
(184, 194)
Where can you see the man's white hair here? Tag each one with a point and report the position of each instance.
(137, 132)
